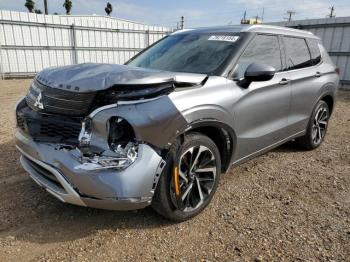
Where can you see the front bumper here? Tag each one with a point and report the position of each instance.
(58, 170)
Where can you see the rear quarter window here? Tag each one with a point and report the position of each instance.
(314, 50)
(297, 52)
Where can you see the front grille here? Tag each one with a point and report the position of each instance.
(58, 101)
(49, 128)
(56, 129)
(46, 174)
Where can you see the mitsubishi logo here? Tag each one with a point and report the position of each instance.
(39, 102)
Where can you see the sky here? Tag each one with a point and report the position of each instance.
(196, 12)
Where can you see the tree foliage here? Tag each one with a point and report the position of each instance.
(109, 9)
(68, 6)
(30, 5)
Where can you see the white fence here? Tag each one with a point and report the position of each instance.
(30, 42)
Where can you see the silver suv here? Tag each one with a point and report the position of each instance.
(161, 129)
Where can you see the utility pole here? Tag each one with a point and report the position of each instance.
(46, 8)
(262, 15)
(182, 22)
(244, 20)
(256, 19)
(331, 15)
(290, 13)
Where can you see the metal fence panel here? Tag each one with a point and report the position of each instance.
(335, 35)
(30, 42)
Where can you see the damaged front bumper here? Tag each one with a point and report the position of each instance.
(61, 173)
(94, 181)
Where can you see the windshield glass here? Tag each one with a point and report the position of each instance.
(190, 53)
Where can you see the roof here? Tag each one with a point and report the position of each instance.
(268, 29)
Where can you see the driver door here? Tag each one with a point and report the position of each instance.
(261, 113)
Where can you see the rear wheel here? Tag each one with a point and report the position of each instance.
(317, 127)
(190, 179)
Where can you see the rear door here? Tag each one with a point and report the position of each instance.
(261, 114)
(303, 61)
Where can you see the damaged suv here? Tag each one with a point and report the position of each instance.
(161, 129)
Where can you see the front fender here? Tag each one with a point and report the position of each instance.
(155, 121)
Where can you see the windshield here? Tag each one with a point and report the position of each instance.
(190, 53)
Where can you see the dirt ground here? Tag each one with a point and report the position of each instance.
(288, 204)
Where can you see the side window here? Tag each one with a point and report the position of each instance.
(298, 54)
(264, 49)
(314, 50)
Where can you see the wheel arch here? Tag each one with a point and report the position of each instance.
(222, 135)
(329, 99)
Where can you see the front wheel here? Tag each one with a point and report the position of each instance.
(317, 127)
(189, 180)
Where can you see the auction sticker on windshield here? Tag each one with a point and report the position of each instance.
(227, 38)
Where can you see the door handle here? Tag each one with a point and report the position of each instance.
(284, 81)
(318, 74)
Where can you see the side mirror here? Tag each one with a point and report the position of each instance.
(257, 73)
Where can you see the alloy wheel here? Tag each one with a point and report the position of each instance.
(319, 126)
(195, 178)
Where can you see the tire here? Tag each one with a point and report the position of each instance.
(317, 127)
(192, 196)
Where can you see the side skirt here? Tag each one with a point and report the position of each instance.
(266, 149)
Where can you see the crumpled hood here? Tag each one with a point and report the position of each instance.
(96, 77)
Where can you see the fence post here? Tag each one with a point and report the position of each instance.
(74, 44)
(147, 38)
(1, 64)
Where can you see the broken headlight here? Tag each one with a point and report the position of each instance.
(121, 140)
(127, 156)
(85, 133)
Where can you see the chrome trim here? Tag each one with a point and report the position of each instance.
(69, 196)
(127, 102)
(98, 110)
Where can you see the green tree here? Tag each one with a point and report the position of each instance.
(68, 6)
(38, 11)
(109, 9)
(30, 5)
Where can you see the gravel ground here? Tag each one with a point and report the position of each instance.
(288, 204)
